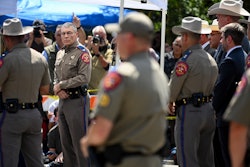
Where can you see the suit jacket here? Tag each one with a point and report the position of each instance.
(220, 54)
(210, 50)
(230, 71)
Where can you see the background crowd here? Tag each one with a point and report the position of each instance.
(205, 87)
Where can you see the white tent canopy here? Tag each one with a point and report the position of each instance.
(131, 4)
(157, 5)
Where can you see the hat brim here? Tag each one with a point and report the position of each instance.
(214, 28)
(112, 28)
(177, 30)
(206, 31)
(244, 21)
(25, 31)
(215, 11)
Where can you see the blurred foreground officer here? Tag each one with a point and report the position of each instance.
(239, 116)
(72, 74)
(123, 118)
(23, 73)
(191, 86)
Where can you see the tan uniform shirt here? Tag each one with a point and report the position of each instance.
(72, 67)
(134, 98)
(98, 71)
(23, 72)
(198, 74)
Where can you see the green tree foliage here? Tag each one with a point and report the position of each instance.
(178, 9)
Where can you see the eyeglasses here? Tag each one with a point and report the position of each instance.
(176, 44)
(68, 33)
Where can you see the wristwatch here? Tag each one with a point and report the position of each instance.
(78, 27)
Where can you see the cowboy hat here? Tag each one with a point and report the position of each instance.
(244, 21)
(205, 28)
(214, 26)
(14, 27)
(229, 7)
(188, 24)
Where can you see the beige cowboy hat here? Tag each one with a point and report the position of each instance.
(214, 26)
(14, 27)
(205, 28)
(228, 7)
(188, 24)
(244, 21)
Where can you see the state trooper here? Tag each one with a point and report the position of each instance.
(191, 86)
(123, 119)
(72, 74)
(24, 73)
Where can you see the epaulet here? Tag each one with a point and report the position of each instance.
(181, 67)
(2, 57)
(82, 48)
(85, 55)
(186, 55)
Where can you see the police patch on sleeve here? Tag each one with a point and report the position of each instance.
(242, 84)
(85, 57)
(181, 68)
(248, 61)
(1, 62)
(111, 81)
(104, 100)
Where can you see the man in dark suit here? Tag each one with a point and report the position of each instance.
(205, 38)
(228, 11)
(230, 72)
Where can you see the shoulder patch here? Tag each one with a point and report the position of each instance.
(248, 61)
(1, 62)
(85, 57)
(104, 100)
(181, 68)
(242, 84)
(111, 81)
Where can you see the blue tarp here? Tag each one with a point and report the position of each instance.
(53, 12)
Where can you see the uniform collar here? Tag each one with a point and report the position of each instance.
(71, 47)
(20, 45)
(197, 46)
(138, 56)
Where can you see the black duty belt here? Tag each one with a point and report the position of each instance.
(14, 107)
(197, 101)
(74, 93)
(21, 106)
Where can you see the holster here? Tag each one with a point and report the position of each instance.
(12, 105)
(197, 99)
(97, 158)
(112, 154)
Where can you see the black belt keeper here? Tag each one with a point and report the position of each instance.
(77, 92)
(73, 93)
(197, 100)
(24, 106)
